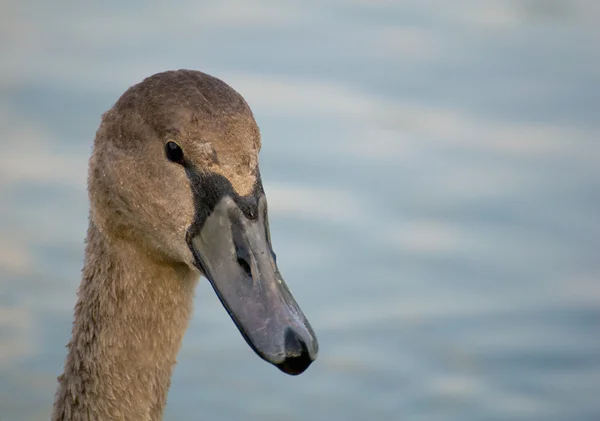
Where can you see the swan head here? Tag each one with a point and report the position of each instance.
(174, 173)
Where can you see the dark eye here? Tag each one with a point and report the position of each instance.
(174, 152)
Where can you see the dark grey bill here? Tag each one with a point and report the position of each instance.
(235, 254)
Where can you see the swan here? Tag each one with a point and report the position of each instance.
(175, 193)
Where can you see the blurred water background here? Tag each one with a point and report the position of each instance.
(432, 170)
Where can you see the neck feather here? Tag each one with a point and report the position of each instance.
(130, 318)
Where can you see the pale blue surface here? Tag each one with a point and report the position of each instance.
(432, 172)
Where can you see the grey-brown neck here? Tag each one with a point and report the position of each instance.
(130, 319)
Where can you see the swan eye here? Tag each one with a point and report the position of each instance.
(174, 152)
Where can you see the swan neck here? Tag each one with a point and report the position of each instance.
(130, 319)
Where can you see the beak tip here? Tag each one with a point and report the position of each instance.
(295, 365)
(298, 357)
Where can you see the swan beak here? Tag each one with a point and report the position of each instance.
(235, 254)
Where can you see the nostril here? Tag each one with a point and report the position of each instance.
(244, 259)
(245, 266)
(297, 356)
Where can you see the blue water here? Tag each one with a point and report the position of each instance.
(432, 170)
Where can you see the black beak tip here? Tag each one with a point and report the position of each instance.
(297, 357)
(294, 365)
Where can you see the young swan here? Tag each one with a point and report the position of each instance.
(175, 193)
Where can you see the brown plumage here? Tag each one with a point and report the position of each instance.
(139, 276)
